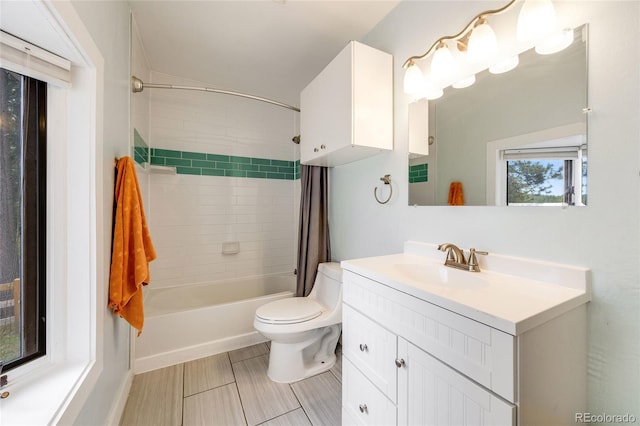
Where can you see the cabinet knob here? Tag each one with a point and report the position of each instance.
(315, 150)
(323, 146)
(363, 347)
(400, 363)
(363, 408)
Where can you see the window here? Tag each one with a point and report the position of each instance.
(22, 218)
(550, 176)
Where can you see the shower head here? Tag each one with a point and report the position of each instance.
(296, 140)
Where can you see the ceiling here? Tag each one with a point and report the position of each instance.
(268, 48)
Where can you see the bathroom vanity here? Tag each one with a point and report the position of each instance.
(432, 345)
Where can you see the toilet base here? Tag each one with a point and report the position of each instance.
(292, 362)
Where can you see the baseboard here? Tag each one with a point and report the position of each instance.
(202, 350)
(115, 414)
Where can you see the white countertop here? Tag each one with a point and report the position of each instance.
(505, 301)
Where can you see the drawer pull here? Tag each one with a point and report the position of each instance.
(363, 347)
(363, 408)
(400, 363)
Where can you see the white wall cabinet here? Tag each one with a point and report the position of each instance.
(411, 362)
(347, 110)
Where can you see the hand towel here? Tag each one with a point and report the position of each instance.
(132, 247)
(456, 196)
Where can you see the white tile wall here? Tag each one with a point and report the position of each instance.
(190, 216)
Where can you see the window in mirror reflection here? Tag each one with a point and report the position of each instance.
(539, 177)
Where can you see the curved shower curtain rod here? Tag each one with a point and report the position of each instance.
(138, 85)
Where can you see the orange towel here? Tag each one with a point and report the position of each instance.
(456, 196)
(132, 248)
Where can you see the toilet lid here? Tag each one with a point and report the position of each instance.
(289, 311)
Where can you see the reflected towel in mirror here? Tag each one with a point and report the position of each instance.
(456, 196)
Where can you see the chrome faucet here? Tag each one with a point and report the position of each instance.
(455, 257)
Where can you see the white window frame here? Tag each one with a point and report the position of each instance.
(52, 389)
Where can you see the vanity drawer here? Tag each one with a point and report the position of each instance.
(362, 402)
(482, 353)
(371, 348)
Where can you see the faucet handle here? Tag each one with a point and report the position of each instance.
(473, 260)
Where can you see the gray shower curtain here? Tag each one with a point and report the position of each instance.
(313, 242)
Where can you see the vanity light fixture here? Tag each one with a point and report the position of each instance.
(536, 20)
(556, 42)
(483, 45)
(413, 78)
(477, 40)
(465, 82)
(442, 64)
(504, 65)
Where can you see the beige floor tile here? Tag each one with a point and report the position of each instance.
(249, 352)
(321, 398)
(219, 406)
(207, 373)
(261, 398)
(292, 418)
(155, 398)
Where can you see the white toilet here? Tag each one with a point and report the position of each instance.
(304, 331)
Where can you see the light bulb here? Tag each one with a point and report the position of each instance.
(536, 20)
(558, 41)
(465, 82)
(504, 65)
(413, 79)
(483, 46)
(442, 64)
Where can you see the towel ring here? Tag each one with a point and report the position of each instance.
(387, 181)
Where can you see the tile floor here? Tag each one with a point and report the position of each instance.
(232, 389)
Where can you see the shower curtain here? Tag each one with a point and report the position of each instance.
(313, 243)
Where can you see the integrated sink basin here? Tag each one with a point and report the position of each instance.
(439, 275)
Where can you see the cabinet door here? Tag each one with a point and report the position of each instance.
(325, 110)
(371, 348)
(431, 393)
(363, 403)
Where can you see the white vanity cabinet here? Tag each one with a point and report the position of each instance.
(347, 110)
(409, 361)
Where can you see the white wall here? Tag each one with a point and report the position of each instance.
(108, 24)
(605, 236)
(191, 216)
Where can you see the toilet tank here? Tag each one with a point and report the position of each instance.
(327, 288)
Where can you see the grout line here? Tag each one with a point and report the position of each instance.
(235, 382)
(284, 414)
(184, 369)
(300, 403)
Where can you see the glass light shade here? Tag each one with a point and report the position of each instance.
(465, 82)
(413, 79)
(442, 64)
(483, 46)
(429, 90)
(560, 40)
(504, 65)
(536, 20)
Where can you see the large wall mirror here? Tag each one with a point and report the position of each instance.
(517, 139)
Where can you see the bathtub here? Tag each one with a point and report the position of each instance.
(189, 322)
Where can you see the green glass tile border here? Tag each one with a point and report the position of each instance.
(207, 164)
(140, 148)
(419, 173)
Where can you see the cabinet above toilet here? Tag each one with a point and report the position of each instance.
(347, 110)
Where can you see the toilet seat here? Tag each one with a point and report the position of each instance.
(289, 311)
